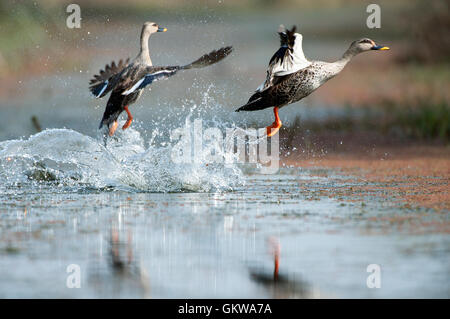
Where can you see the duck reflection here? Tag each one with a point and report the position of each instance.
(122, 272)
(124, 264)
(120, 264)
(280, 285)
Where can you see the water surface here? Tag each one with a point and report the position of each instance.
(139, 225)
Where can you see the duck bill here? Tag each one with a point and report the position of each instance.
(380, 48)
(161, 29)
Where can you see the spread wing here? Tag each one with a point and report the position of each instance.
(288, 59)
(147, 76)
(107, 79)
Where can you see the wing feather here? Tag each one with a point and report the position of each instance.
(150, 75)
(147, 75)
(288, 59)
(106, 80)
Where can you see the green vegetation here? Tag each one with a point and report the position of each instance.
(30, 29)
(422, 120)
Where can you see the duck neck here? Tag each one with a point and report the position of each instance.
(348, 55)
(342, 62)
(144, 53)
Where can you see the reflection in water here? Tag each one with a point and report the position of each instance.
(61, 191)
(280, 285)
(123, 270)
(117, 262)
(265, 239)
(274, 245)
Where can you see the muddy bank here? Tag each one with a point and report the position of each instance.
(410, 173)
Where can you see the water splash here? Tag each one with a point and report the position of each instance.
(70, 161)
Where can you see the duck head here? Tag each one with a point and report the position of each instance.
(147, 29)
(151, 27)
(365, 44)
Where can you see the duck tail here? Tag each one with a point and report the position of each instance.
(209, 58)
(112, 110)
(107, 119)
(258, 101)
(255, 105)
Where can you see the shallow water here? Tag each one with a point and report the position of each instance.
(139, 225)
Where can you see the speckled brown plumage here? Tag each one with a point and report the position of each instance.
(293, 87)
(289, 88)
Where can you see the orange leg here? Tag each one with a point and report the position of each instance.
(113, 128)
(273, 129)
(275, 248)
(276, 266)
(129, 119)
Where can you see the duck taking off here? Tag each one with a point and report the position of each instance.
(127, 79)
(291, 77)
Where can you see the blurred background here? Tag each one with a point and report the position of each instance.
(400, 95)
(365, 160)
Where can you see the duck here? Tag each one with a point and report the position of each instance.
(127, 79)
(290, 76)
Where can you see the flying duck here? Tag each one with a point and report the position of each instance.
(127, 79)
(291, 77)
